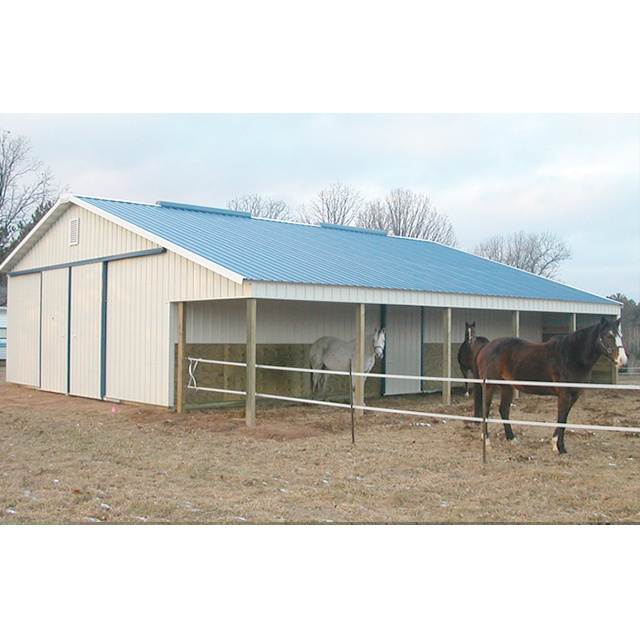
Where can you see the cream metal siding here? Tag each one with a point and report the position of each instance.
(137, 322)
(97, 238)
(139, 327)
(86, 315)
(326, 293)
(404, 349)
(223, 322)
(23, 330)
(54, 330)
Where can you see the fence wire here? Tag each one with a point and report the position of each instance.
(193, 363)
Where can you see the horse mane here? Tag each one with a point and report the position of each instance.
(578, 346)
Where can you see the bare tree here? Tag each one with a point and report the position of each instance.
(338, 204)
(539, 253)
(411, 215)
(261, 207)
(26, 190)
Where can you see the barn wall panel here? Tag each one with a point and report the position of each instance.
(86, 322)
(279, 322)
(23, 330)
(141, 326)
(135, 319)
(98, 237)
(404, 349)
(55, 330)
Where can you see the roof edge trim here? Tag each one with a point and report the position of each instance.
(185, 253)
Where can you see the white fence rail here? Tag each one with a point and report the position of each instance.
(193, 363)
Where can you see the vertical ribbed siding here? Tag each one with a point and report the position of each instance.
(139, 365)
(86, 312)
(54, 330)
(139, 339)
(23, 330)
(284, 322)
(404, 348)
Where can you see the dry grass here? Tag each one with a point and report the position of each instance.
(70, 460)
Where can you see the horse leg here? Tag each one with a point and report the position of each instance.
(566, 400)
(323, 385)
(477, 400)
(465, 373)
(486, 406)
(506, 396)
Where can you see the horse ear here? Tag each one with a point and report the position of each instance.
(473, 324)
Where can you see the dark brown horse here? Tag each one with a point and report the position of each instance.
(566, 358)
(468, 352)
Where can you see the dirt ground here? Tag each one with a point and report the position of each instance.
(72, 460)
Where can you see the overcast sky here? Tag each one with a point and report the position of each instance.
(575, 175)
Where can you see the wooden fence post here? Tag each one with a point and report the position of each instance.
(446, 355)
(182, 354)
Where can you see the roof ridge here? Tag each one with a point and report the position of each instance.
(194, 207)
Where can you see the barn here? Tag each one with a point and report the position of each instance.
(103, 294)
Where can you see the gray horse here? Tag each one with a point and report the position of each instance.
(334, 354)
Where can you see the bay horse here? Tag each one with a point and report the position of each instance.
(563, 358)
(334, 354)
(468, 352)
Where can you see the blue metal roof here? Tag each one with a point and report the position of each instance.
(277, 251)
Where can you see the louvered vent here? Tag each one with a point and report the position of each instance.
(74, 229)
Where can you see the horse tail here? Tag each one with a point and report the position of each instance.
(478, 410)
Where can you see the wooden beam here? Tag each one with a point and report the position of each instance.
(252, 324)
(182, 354)
(446, 355)
(573, 322)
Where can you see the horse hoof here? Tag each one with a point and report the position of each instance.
(466, 394)
(513, 441)
(556, 449)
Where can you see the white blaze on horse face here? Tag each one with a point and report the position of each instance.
(379, 342)
(621, 357)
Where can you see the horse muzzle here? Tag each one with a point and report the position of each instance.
(621, 357)
(618, 356)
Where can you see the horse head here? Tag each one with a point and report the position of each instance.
(379, 338)
(470, 332)
(610, 341)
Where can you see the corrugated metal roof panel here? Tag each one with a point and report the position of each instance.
(277, 251)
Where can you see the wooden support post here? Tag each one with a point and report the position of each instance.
(573, 322)
(181, 355)
(446, 355)
(252, 323)
(359, 363)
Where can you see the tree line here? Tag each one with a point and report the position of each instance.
(403, 212)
